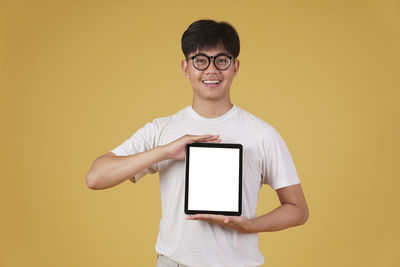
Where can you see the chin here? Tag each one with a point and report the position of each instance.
(212, 94)
(211, 97)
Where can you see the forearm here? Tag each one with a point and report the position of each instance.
(108, 171)
(285, 216)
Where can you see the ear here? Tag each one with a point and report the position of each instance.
(185, 68)
(236, 67)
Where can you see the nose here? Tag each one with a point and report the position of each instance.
(211, 68)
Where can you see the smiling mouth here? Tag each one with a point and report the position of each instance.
(212, 82)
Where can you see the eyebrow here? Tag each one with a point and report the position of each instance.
(204, 54)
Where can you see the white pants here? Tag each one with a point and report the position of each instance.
(163, 261)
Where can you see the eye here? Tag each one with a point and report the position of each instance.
(222, 60)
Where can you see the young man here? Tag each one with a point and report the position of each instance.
(211, 63)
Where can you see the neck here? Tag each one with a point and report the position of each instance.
(211, 109)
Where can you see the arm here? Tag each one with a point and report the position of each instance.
(293, 211)
(110, 170)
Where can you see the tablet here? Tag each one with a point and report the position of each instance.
(213, 182)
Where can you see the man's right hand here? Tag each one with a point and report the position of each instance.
(109, 170)
(176, 149)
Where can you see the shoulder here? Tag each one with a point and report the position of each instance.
(163, 122)
(255, 124)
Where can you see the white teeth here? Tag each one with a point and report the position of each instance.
(211, 81)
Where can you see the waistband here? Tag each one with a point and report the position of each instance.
(163, 259)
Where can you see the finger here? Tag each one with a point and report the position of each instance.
(204, 217)
(213, 136)
(214, 139)
(207, 219)
(214, 218)
(200, 138)
(205, 137)
(194, 217)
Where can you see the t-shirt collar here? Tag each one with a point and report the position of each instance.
(219, 119)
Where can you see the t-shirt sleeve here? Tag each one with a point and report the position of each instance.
(142, 140)
(278, 167)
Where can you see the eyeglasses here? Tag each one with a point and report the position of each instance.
(202, 61)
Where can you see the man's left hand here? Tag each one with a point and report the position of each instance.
(239, 223)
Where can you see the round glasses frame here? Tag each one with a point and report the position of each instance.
(213, 60)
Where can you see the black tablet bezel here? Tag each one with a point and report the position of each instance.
(217, 145)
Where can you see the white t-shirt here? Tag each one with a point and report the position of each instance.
(266, 160)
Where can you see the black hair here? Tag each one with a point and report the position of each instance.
(206, 34)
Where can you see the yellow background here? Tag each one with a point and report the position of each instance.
(79, 77)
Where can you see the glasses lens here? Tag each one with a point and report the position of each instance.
(222, 62)
(200, 62)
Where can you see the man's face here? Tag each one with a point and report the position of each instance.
(211, 83)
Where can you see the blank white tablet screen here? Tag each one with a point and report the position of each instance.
(214, 179)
